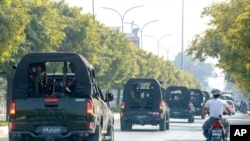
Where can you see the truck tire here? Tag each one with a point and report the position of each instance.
(129, 126)
(110, 134)
(23, 138)
(202, 117)
(191, 119)
(97, 136)
(163, 124)
(123, 125)
(167, 123)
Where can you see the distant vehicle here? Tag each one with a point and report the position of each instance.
(231, 106)
(197, 98)
(206, 96)
(54, 100)
(143, 104)
(227, 96)
(179, 101)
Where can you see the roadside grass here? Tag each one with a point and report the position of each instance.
(3, 123)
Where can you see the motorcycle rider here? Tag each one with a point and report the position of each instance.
(215, 108)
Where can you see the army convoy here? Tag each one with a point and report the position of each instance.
(55, 97)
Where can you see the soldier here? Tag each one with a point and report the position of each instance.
(40, 79)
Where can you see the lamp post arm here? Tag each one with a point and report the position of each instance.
(148, 23)
(163, 37)
(130, 9)
(113, 10)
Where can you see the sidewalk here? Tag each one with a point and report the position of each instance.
(3, 131)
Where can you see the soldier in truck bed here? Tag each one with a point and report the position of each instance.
(134, 93)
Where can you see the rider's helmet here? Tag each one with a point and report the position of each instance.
(216, 92)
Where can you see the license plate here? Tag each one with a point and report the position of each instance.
(51, 130)
(141, 116)
(216, 133)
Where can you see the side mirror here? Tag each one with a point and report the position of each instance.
(109, 97)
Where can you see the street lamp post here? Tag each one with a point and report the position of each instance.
(167, 51)
(158, 41)
(93, 7)
(182, 30)
(141, 29)
(124, 14)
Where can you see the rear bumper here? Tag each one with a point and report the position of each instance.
(21, 133)
(66, 129)
(180, 114)
(142, 120)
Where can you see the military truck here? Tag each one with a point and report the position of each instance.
(198, 99)
(143, 104)
(179, 102)
(55, 97)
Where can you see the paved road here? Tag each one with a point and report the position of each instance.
(179, 130)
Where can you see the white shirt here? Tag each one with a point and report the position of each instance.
(216, 106)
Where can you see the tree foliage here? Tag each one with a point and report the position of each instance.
(46, 26)
(228, 40)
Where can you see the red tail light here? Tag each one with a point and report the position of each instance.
(12, 125)
(122, 106)
(13, 107)
(51, 100)
(217, 124)
(90, 107)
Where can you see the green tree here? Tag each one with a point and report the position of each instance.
(227, 40)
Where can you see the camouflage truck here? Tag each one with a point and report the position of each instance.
(143, 104)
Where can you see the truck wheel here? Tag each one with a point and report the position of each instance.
(163, 124)
(97, 136)
(167, 123)
(191, 119)
(129, 126)
(23, 138)
(123, 125)
(12, 139)
(202, 117)
(110, 134)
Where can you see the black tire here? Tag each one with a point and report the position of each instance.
(191, 119)
(123, 125)
(129, 126)
(202, 117)
(162, 126)
(22, 138)
(13, 139)
(110, 133)
(97, 136)
(167, 123)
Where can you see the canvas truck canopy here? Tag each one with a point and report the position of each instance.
(83, 71)
(177, 93)
(197, 97)
(142, 87)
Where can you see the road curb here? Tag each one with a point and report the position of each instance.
(3, 131)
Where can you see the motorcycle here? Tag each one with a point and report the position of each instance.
(217, 130)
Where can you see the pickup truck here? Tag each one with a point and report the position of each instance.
(53, 100)
(180, 104)
(143, 104)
